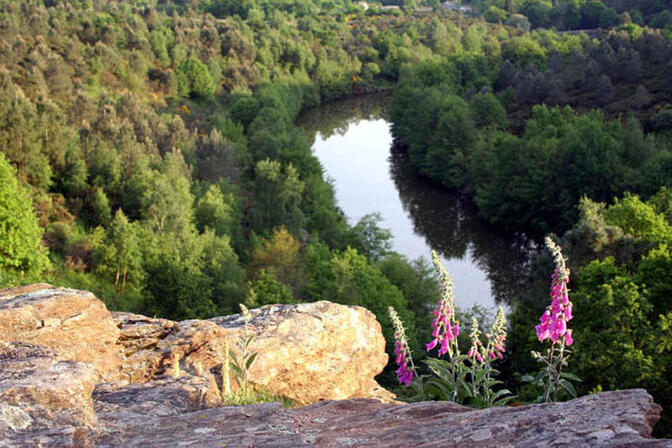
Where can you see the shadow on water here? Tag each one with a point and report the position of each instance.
(450, 224)
(446, 220)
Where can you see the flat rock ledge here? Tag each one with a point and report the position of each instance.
(611, 419)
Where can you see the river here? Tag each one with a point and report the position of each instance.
(352, 140)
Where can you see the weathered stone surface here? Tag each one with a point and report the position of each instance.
(315, 351)
(39, 391)
(307, 352)
(120, 404)
(610, 420)
(56, 437)
(75, 324)
(152, 345)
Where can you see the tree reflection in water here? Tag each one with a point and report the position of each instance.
(450, 224)
(446, 220)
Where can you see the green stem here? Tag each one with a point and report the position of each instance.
(549, 377)
(558, 371)
(453, 382)
(415, 372)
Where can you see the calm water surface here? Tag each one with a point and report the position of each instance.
(352, 140)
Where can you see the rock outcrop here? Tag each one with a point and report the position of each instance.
(74, 324)
(306, 352)
(157, 383)
(342, 345)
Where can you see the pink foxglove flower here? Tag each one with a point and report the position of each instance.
(402, 352)
(553, 323)
(498, 337)
(446, 328)
(568, 338)
(553, 326)
(476, 344)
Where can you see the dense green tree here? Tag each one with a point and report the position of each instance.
(277, 194)
(193, 78)
(265, 289)
(21, 251)
(217, 159)
(369, 238)
(417, 282)
(638, 219)
(218, 211)
(281, 253)
(73, 179)
(20, 138)
(177, 289)
(97, 210)
(119, 254)
(487, 111)
(227, 278)
(438, 130)
(166, 200)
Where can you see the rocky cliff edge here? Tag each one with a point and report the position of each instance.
(72, 374)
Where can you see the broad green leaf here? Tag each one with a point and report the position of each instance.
(570, 376)
(569, 387)
(250, 360)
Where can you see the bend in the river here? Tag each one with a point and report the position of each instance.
(371, 173)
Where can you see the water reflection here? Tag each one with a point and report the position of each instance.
(449, 223)
(353, 142)
(336, 118)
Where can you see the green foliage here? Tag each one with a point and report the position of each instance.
(369, 239)
(177, 289)
(621, 298)
(638, 219)
(218, 211)
(221, 266)
(22, 255)
(472, 384)
(614, 311)
(194, 79)
(486, 111)
(437, 127)
(551, 378)
(241, 364)
(119, 256)
(265, 289)
(277, 194)
(167, 203)
(20, 137)
(417, 282)
(511, 175)
(494, 14)
(99, 206)
(280, 258)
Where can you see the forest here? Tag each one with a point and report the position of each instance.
(149, 153)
